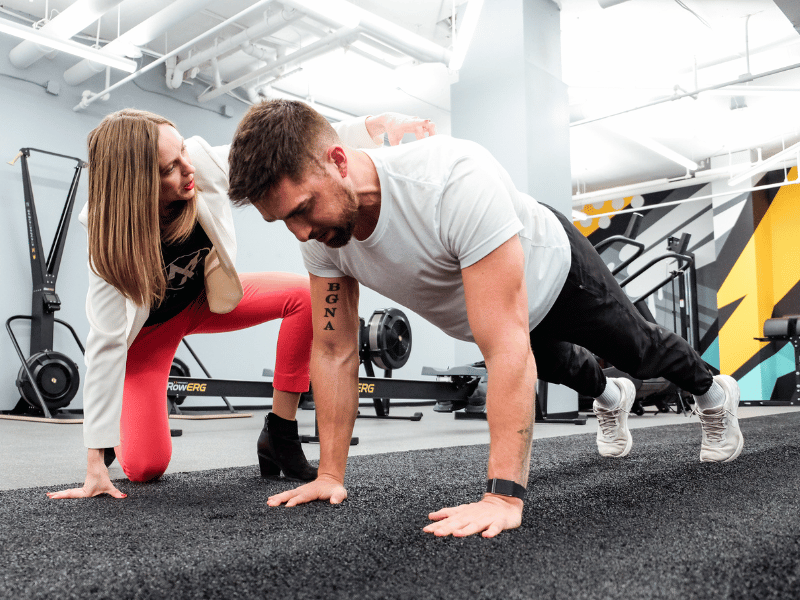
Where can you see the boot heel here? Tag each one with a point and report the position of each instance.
(268, 467)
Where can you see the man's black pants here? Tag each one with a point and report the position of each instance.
(592, 315)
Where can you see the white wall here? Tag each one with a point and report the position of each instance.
(33, 118)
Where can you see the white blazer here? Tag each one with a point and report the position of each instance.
(114, 321)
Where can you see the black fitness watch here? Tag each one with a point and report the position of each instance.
(504, 487)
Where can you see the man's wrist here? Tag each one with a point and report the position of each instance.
(504, 487)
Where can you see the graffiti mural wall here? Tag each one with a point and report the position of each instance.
(746, 250)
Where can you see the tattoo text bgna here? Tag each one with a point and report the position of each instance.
(331, 299)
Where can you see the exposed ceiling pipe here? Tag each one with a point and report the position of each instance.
(89, 97)
(367, 41)
(321, 46)
(253, 95)
(660, 185)
(413, 45)
(258, 52)
(740, 80)
(258, 92)
(762, 166)
(327, 13)
(140, 35)
(72, 20)
(262, 29)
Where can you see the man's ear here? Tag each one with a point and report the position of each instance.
(338, 157)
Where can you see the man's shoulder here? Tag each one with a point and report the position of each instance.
(435, 154)
(435, 143)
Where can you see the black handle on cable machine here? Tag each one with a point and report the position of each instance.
(629, 239)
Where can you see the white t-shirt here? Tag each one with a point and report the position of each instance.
(446, 204)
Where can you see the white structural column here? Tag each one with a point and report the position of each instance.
(510, 98)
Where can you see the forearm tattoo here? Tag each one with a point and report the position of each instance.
(330, 311)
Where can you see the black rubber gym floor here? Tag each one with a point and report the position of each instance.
(658, 524)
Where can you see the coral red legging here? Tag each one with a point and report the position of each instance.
(146, 446)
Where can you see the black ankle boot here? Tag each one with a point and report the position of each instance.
(108, 456)
(279, 449)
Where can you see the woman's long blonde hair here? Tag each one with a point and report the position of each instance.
(124, 184)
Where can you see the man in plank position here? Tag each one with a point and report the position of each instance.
(438, 227)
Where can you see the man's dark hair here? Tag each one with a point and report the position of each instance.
(275, 139)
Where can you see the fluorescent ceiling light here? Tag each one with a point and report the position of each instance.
(328, 112)
(392, 59)
(623, 191)
(764, 165)
(38, 37)
(465, 33)
(661, 149)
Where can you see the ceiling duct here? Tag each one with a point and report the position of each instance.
(71, 21)
(415, 46)
(140, 35)
(88, 97)
(321, 46)
(262, 29)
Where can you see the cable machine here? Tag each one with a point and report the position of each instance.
(659, 391)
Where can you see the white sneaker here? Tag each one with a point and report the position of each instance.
(722, 438)
(613, 437)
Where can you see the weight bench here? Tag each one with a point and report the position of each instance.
(785, 329)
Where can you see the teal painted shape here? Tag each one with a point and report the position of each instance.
(750, 386)
(758, 383)
(711, 355)
(784, 360)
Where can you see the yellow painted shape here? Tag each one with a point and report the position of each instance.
(768, 267)
(590, 210)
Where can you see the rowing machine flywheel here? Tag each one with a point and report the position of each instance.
(386, 339)
(55, 375)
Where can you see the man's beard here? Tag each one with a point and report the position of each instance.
(343, 233)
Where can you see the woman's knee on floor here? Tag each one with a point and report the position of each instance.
(145, 468)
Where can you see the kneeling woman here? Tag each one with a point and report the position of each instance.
(161, 267)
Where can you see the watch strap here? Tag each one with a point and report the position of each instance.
(504, 487)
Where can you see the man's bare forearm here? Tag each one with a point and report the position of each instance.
(335, 385)
(510, 409)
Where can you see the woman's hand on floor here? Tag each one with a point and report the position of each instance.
(322, 488)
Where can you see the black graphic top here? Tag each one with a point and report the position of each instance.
(184, 264)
